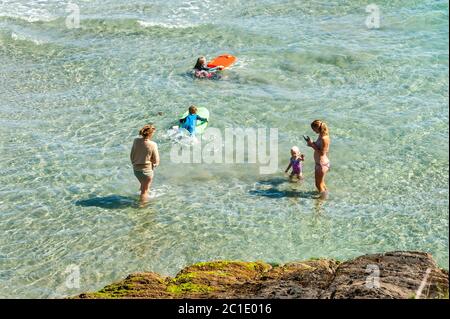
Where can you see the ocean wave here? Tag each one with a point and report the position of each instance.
(99, 23)
(134, 26)
(93, 26)
(149, 24)
(33, 15)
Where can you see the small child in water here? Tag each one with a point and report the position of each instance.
(201, 70)
(296, 163)
(190, 122)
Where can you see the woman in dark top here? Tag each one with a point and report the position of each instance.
(201, 70)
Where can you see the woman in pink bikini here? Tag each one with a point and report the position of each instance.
(321, 147)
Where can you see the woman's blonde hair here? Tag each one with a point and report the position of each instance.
(147, 130)
(321, 126)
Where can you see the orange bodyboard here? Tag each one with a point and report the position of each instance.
(226, 60)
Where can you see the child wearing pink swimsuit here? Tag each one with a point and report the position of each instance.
(296, 164)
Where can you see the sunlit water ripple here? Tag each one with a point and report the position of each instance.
(72, 100)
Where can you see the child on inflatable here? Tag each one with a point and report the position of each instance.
(201, 70)
(296, 163)
(190, 122)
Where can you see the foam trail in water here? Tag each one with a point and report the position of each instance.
(21, 37)
(180, 136)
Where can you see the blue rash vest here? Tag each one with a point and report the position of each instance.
(190, 122)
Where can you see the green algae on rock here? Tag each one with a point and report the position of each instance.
(400, 275)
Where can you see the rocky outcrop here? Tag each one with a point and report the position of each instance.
(387, 275)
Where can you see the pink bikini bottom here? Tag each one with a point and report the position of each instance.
(322, 167)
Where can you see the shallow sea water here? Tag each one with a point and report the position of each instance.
(72, 100)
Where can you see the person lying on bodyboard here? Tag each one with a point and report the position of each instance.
(201, 70)
(190, 122)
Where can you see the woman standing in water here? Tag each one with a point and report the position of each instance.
(321, 147)
(145, 157)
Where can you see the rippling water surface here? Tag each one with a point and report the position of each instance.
(71, 101)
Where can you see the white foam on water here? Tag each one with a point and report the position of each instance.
(187, 14)
(156, 192)
(43, 17)
(242, 63)
(21, 37)
(33, 11)
(150, 24)
(181, 136)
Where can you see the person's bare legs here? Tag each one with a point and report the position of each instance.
(320, 180)
(145, 186)
(295, 178)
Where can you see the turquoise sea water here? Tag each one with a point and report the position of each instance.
(72, 100)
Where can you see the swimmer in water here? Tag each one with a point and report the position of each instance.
(201, 70)
(190, 122)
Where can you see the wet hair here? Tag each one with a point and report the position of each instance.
(199, 63)
(295, 149)
(147, 130)
(192, 109)
(321, 126)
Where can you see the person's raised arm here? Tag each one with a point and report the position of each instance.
(325, 145)
(311, 144)
(202, 119)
